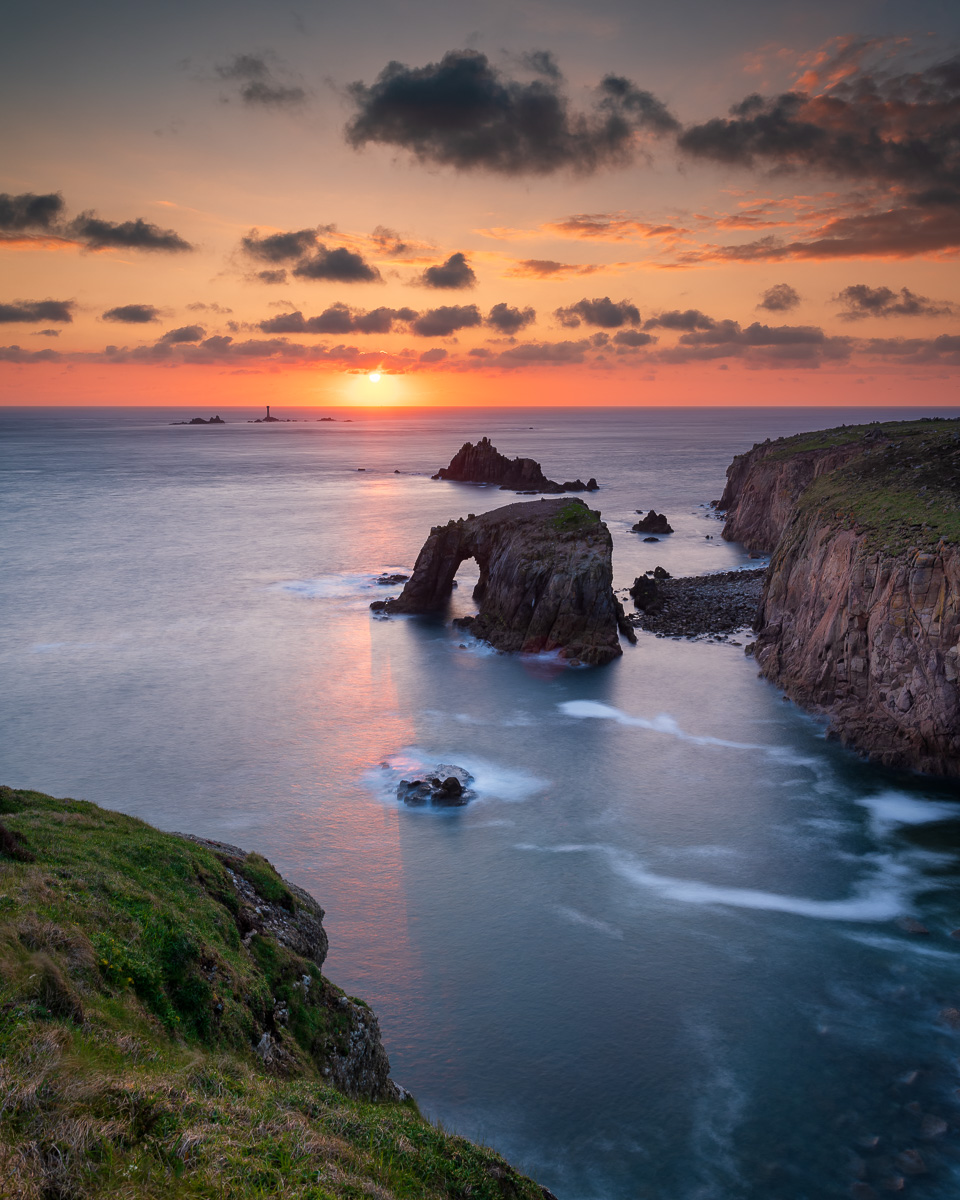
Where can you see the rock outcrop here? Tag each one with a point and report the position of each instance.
(545, 579)
(860, 613)
(483, 463)
(653, 522)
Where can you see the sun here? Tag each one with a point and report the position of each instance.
(374, 376)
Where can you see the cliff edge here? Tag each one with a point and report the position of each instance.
(546, 579)
(166, 1030)
(860, 613)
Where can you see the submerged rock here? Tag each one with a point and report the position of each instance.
(653, 522)
(546, 579)
(483, 463)
(390, 580)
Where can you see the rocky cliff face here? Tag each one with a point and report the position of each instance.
(860, 614)
(546, 579)
(483, 463)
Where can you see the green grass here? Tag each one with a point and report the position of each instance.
(129, 1012)
(843, 435)
(573, 516)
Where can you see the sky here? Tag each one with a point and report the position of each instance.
(408, 202)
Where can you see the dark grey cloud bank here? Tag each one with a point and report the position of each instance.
(339, 319)
(602, 312)
(39, 216)
(465, 113)
(860, 301)
(307, 257)
(456, 272)
(35, 311)
(132, 314)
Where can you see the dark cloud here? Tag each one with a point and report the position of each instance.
(13, 354)
(132, 314)
(861, 301)
(437, 354)
(339, 319)
(480, 352)
(279, 247)
(509, 320)
(29, 211)
(544, 352)
(548, 268)
(687, 321)
(258, 84)
(45, 333)
(125, 235)
(35, 311)
(456, 272)
(541, 62)
(633, 338)
(441, 322)
(464, 113)
(186, 333)
(199, 306)
(879, 126)
(278, 275)
(729, 333)
(339, 266)
(603, 311)
(779, 298)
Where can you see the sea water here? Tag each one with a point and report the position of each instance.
(661, 954)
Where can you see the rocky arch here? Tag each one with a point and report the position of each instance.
(546, 579)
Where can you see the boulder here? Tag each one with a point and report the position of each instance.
(653, 522)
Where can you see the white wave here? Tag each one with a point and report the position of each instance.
(578, 918)
(491, 780)
(342, 586)
(661, 723)
(880, 898)
(900, 945)
(890, 809)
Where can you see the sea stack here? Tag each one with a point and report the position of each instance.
(546, 579)
(483, 463)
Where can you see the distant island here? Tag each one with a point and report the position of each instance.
(201, 421)
(483, 463)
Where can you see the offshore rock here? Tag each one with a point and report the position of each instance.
(483, 463)
(546, 579)
(860, 613)
(653, 522)
(445, 785)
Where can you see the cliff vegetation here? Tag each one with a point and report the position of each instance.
(166, 1031)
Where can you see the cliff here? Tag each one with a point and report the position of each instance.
(860, 613)
(483, 463)
(166, 1031)
(546, 579)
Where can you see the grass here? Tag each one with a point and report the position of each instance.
(574, 516)
(902, 492)
(130, 1006)
(843, 435)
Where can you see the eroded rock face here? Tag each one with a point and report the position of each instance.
(653, 522)
(869, 638)
(546, 579)
(483, 463)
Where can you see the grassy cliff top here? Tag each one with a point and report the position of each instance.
(844, 435)
(903, 491)
(137, 978)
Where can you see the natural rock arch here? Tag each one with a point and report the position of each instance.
(546, 579)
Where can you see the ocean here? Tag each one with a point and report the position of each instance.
(660, 955)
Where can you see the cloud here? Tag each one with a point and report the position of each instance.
(509, 320)
(258, 84)
(464, 113)
(456, 272)
(547, 268)
(309, 257)
(610, 227)
(199, 306)
(437, 354)
(729, 333)
(779, 298)
(861, 301)
(339, 319)
(604, 312)
(687, 321)
(544, 352)
(186, 333)
(633, 338)
(133, 314)
(877, 126)
(45, 333)
(34, 311)
(13, 354)
(138, 234)
(441, 322)
(30, 211)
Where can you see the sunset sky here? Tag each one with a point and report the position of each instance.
(531, 202)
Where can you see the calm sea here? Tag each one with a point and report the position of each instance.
(659, 956)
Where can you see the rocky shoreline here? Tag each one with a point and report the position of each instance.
(697, 605)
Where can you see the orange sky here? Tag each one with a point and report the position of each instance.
(209, 214)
